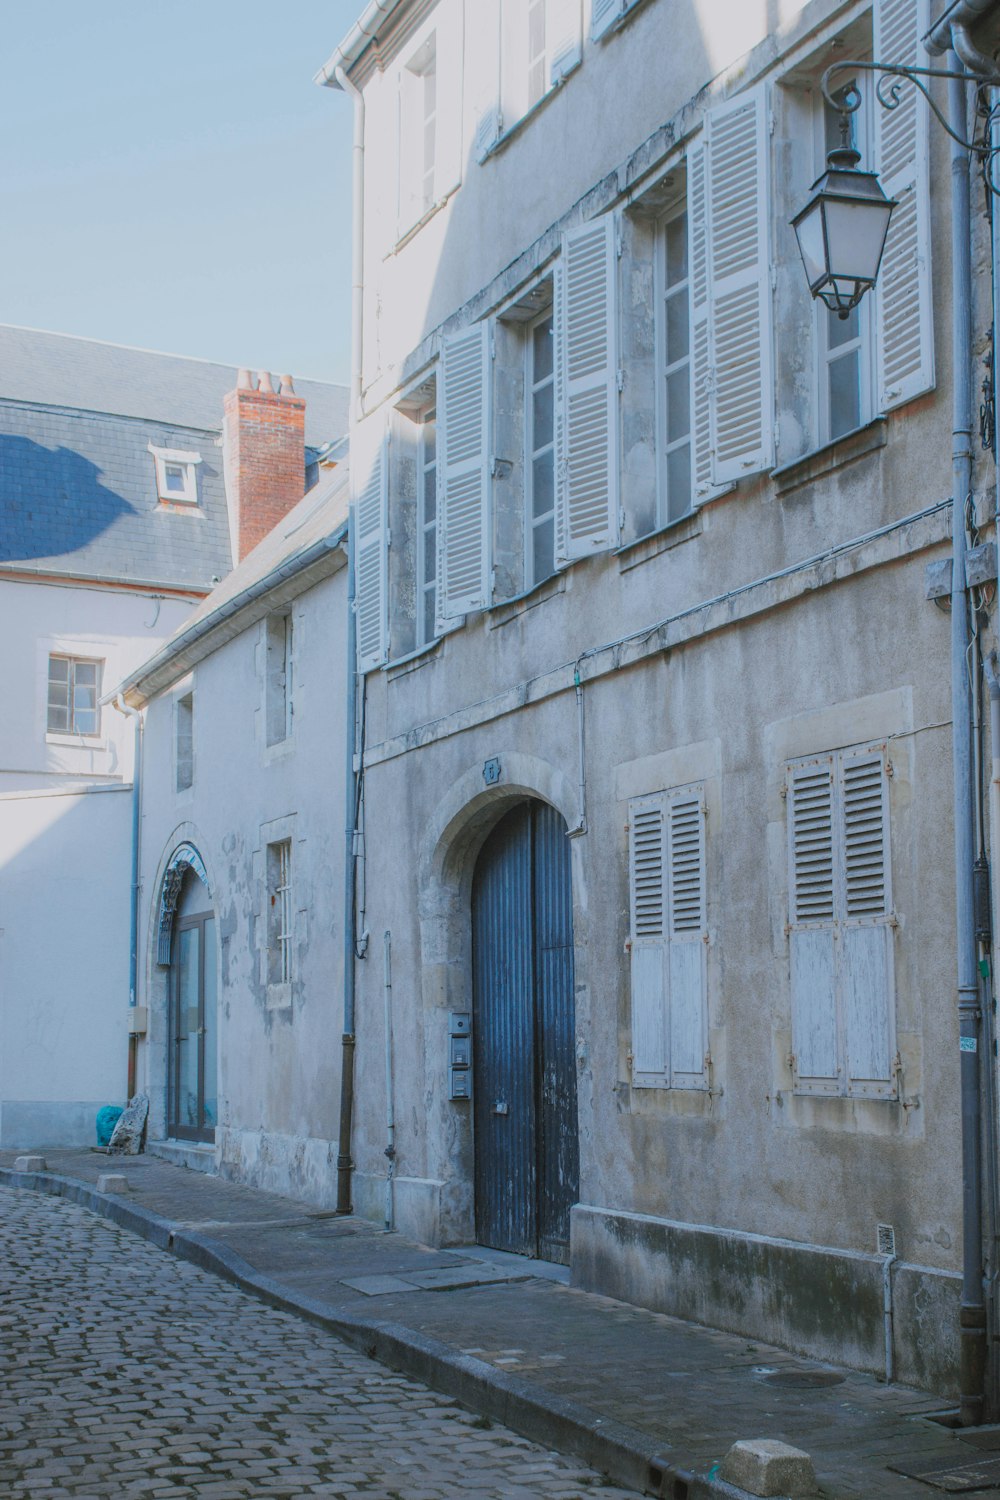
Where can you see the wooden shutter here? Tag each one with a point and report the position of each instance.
(369, 480)
(647, 891)
(866, 934)
(587, 432)
(463, 472)
(603, 15)
(701, 355)
(686, 961)
(812, 927)
(742, 424)
(903, 295)
(565, 46)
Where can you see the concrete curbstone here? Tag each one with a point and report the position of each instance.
(763, 1466)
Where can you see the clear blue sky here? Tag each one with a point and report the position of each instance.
(171, 177)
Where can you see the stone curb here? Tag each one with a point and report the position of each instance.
(628, 1456)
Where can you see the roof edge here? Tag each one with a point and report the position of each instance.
(360, 36)
(198, 641)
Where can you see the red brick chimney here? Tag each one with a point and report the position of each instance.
(264, 454)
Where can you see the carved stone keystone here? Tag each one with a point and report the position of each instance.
(763, 1466)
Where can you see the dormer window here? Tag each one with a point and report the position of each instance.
(176, 475)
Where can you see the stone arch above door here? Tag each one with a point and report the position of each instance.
(184, 858)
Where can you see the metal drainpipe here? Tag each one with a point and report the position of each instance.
(133, 934)
(973, 1309)
(345, 1164)
(390, 1112)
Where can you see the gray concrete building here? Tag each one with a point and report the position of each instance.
(655, 876)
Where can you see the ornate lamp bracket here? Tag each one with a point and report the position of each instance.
(890, 80)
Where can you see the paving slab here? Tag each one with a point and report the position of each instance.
(651, 1400)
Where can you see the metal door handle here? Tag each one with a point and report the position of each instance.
(500, 1107)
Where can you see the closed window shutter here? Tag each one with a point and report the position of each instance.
(488, 131)
(369, 478)
(687, 932)
(562, 22)
(647, 890)
(866, 934)
(603, 15)
(742, 424)
(463, 473)
(587, 486)
(903, 300)
(812, 929)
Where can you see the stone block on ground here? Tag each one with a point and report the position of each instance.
(128, 1136)
(30, 1164)
(763, 1466)
(112, 1182)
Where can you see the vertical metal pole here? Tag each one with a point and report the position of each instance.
(345, 1164)
(973, 1311)
(390, 1112)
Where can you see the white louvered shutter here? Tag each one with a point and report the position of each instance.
(812, 925)
(686, 955)
(603, 15)
(740, 287)
(488, 131)
(565, 46)
(463, 415)
(587, 431)
(701, 324)
(903, 294)
(648, 896)
(866, 934)
(369, 481)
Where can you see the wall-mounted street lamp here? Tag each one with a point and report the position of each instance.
(842, 229)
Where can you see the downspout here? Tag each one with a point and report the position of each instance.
(973, 1309)
(390, 1112)
(133, 929)
(345, 1164)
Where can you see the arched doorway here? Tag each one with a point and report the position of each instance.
(192, 1054)
(524, 1035)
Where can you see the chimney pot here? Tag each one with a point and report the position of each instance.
(243, 381)
(285, 387)
(265, 386)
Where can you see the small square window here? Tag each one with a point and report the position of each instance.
(176, 475)
(74, 690)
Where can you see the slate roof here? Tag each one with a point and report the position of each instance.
(77, 481)
(303, 548)
(55, 369)
(78, 499)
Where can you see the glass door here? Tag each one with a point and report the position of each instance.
(193, 1023)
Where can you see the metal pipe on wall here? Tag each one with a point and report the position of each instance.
(345, 1163)
(973, 1310)
(390, 1114)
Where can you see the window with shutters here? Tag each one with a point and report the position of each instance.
(426, 145)
(673, 365)
(278, 705)
(841, 923)
(418, 133)
(540, 45)
(668, 939)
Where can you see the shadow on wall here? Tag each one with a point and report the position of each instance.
(52, 500)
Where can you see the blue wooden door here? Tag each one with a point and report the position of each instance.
(524, 1054)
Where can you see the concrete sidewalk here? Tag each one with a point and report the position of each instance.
(652, 1401)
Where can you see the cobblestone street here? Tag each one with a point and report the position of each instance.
(126, 1372)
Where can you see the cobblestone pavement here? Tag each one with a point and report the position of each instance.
(126, 1372)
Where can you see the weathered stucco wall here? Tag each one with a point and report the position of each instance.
(279, 1052)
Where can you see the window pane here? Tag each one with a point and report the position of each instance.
(679, 482)
(430, 495)
(429, 612)
(58, 669)
(86, 672)
(677, 327)
(430, 549)
(543, 484)
(845, 394)
(678, 404)
(59, 694)
(85, 720)
(430, 439)
(675, 241)
(543, 550)
(541, 350)
(843, 330)
(58, 717)
(536, 29)
(174, 475)
(541, 417)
